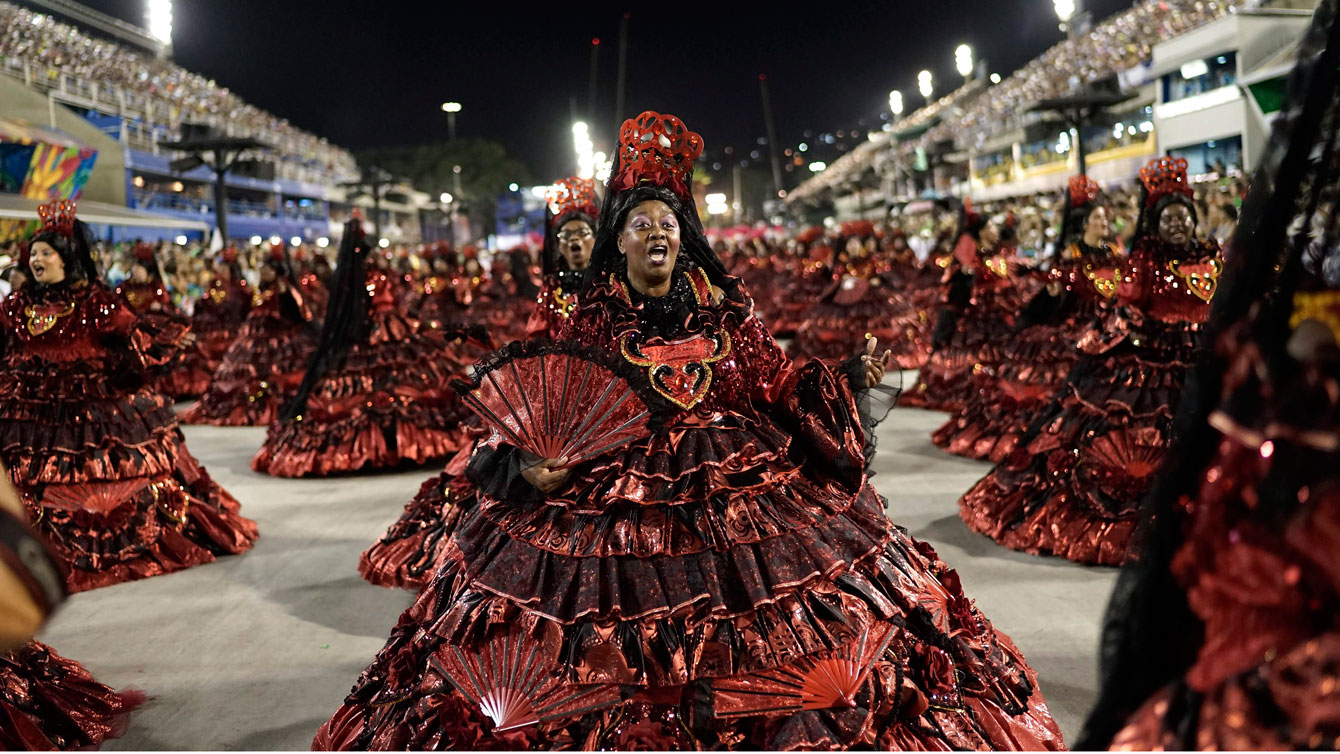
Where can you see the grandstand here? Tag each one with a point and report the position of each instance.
(987, 142)
(136, 100)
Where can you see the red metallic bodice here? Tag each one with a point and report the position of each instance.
(1172, 285)
(65, 327)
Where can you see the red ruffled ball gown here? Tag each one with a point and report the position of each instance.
(442, 302)
(805, 278)
(385, 403)
(1259, 562)
(94, 451)
(413, 548)
(916, 301)
(48, 703)
(186, 375)
(1072, 488)
(218, 316)
(1036, 359)
(667, 577)
(977, 317)
(265, 364)
(859, 302)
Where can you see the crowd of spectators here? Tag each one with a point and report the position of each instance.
(55, 49)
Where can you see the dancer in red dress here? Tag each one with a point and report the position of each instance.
(437, 303)
(416, 545)
(1224, 632)
(94, 451)
(220, 311)
(265, 364)
(807, 272)
(666, 582)
(186, 375)
(857, 304)
(1036, 359)
(1072, 487)
(984, 288)
(376, 393)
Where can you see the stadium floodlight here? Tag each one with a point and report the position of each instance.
(896, 102)
(925, 84)
(275, 240)
(963, 60)
(1065, 9)
(295, 241)
(513, 187)
(158, 20)
(451, 107)
(818, 167)
(995, 78)
(446, 197)
(383, 243)
(181, 240)
(256, 240)
(585, 148)
(323, 242)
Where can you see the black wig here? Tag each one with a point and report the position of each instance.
(694, 249)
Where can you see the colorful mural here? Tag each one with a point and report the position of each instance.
(40, 163)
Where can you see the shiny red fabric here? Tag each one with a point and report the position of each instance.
(263, 367)
(389, 402)
(1264, 584)
(96, 454)
(1072, 488)
(218, 316)
(1033, 363)
(186, 375)
(742, 540)
(857, 301)
(50, 703)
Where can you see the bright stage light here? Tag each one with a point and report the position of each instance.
(1064, 9)
(896, 102)
(275, 240)
(451, 107)
(585, 148)
(818, 167)
(716, 198)
(181, 240)
(513, 187)
(295, 241)
(995, 78)
(256, 240)
(158, 16)
(323, 242)
(925, 84)
(963, 60)
(446, 197)
(383, 243)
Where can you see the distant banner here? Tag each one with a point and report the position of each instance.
(40, 163)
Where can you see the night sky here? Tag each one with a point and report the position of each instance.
(371, 74)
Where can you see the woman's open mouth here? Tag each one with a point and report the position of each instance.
(658, 254)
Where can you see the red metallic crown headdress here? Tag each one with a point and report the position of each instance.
(572, 195)
(1083, 190)
(1164, 176)
(656, 150)
(57, 216)
(144, 251)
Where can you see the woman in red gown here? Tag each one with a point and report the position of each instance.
(1072, 486)
(984, 288)
(220, 311)
(669, 582)
(263, 367)
(1036, 359)
(415, 546)
(376, 392)
(187, 374)
(437, 303)
(1224, 632)
(94, 451)
(857, 304)
(804, 273)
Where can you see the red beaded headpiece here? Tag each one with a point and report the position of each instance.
(572, 195)
(859, 228)
(144, 251)
(1164, 176)
(57, 216)
(1083, 190)
(656, 150)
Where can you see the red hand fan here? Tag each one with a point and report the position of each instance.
(516, 682)
(561, 400)
(824, 681)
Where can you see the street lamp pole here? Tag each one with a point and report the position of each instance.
(451, 108)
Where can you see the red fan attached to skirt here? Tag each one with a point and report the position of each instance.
(562, 400)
